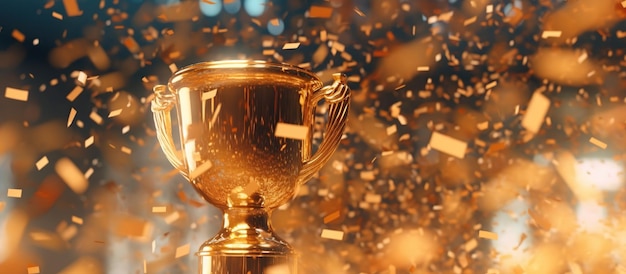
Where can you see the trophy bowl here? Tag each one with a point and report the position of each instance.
(245, 144)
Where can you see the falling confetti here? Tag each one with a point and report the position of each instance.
(291, 131)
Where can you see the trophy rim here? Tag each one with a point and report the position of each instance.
(289, 69)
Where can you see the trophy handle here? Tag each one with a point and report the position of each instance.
(338, 97)
(161, 107)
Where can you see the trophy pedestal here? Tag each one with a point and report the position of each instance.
(246, 244)
(244, 264)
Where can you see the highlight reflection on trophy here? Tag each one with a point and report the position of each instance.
(245, 135)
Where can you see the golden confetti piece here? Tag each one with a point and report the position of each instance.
(77, 220)
(373, 198)
(291, 131)
(94, 116)
(320, 12)
(487, 235)
(18, 35)
(332, 216)
(551, 33)
(41, 163)
(469, 21)
(288, 46)
(131, 44)
(483, 126)
(200, 170)
(70, 118)
(597, 143)
(115, 113)
(159, 209)
(74, 93)
(470, 245)
(145, 267)
(125, 129)
(2, 205)
(14, 193)
(448, 145)
(57, 15)
(81, 78)
(423, 68)
(71, 8)
(33, 270)
(73, 177)
(368, 175)
(332, 234)
(171, 218)
(173, 67)
(126, 150)
(536, 112)
(392, 129)
(89, 141)
(182, 251)
(16, 94)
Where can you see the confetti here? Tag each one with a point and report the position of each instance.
(278, 269)
(332, 217)
(57, 15)
(16, 94)
(18, 35)
(536, 112)
(320, 12)
(41, 163)
(77, 220)
(200, 170)
(70, 118)
(71, 175)
(2, 205)
(448, 145)
(33, 270)
(94, 116)
(551, 33)
(74, 93)
(14, 193)
(487, 235)
(597, 143)
(332, 234)
(71, 8)
(470, 245)
(115, 113)
(159, 209)
(182, 251)
(289, 46)
(89, 141)
(291, 131)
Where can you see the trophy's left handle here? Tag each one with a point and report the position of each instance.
(161, 111)
(338, 97)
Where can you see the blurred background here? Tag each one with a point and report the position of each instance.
(484, 136)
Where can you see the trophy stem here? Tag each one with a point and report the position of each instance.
(246, 244)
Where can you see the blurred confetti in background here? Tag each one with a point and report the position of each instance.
(485, 136)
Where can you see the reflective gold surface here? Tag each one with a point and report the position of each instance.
(228, 113)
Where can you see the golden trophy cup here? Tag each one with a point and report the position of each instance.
(246, 146)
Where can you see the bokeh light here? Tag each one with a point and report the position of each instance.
(254, 7)
(210, 8)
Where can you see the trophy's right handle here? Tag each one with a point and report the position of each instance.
(338, 97)
(161, 111)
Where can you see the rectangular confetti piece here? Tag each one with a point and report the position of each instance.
(288, 46)
(448, 145)
(42, 163)
(487, 235)
(14, 193)
(332, 234)
(33, 270)
(320, 12)
(536, 112)
(182, 251)
(597, 143)
(291, 131)
(16, 94)
(159, 209)
(200, 169)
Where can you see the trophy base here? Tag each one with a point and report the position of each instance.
(247, 264)
(246, 245)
